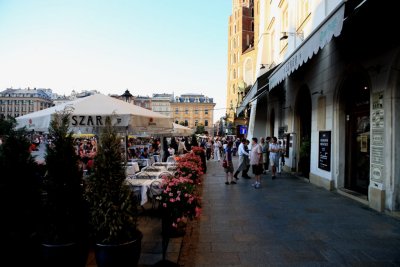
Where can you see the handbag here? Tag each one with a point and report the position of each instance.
(225, 163)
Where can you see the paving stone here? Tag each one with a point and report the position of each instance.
(288, 222)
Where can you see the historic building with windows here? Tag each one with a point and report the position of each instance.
(193, 110)
(143, 101)
(18, 102)
(161, 103)
(333, 95)
(242, 54)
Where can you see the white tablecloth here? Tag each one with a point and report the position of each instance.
(144, 185)
(144, 179)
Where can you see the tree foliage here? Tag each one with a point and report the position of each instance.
(113, 208)
(64, 213)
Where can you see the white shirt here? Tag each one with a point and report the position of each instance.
(273, 146)
(225, 146)
(241, 150)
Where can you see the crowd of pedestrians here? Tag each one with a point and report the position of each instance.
(268, 155)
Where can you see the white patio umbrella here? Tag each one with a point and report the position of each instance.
(180, 130)
(88, 115)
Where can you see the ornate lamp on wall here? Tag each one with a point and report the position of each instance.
(285, 35)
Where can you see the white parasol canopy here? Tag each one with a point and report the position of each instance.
(180, 130)
(88, 115)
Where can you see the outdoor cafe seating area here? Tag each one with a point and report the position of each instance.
(145, 176)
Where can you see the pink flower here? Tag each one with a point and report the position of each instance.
(180, 194)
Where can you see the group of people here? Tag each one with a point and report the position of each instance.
(215, 148)
(259, 156)
(86, 149)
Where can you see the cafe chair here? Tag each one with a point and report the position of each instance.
(143, 175)
(155, 191)
(165, 174)
(171, 159)
(130, 172)
(150, 169)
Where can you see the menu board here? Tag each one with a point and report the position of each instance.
(324, 150)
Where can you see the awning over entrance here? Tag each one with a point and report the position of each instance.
(260, 87)
(331, 26)
(246, 99)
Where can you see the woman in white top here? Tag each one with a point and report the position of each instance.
(181, 147)
(217, 155)
(274, 155)
(171, 150)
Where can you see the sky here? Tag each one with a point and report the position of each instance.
(147, 46)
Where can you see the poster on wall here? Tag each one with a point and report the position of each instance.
(324, 150)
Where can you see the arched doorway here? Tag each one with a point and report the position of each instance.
(355, 96)
(303, 113)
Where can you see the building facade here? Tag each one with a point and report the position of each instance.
(193, 110)
(18, 102)
(161, 103)
(143, 101)
(242, 53)
(333, 96)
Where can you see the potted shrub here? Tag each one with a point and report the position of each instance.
(112, 206)
(19, 197)
(64, 213)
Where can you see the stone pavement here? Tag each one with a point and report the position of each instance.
(287, 222)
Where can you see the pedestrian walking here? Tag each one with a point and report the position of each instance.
(264, 147)
(266, 155)
(237, 144)
(247, 158)
(281, 156)
(243, 160)
(229, 166)
(217, 155)
(274, 155)
(209, 145)
(165, 150)
(256, 161)
(182, 147)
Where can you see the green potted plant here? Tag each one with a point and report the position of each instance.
(64, 214)
(19, 196)
(112, 206)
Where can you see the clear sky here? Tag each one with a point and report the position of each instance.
(147, 46)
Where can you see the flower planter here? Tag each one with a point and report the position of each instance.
(116, 255)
